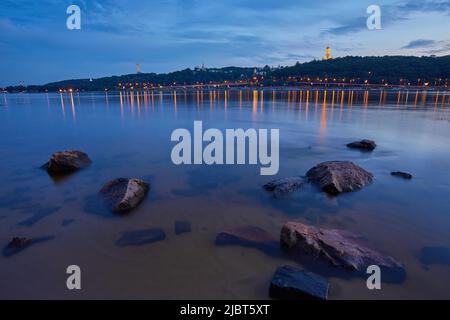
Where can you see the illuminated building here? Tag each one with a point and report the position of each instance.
(327, 53)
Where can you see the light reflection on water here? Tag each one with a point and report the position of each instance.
(128, 134)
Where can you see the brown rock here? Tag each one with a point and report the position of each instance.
(65, 162)
(340, 248)
(335, 177)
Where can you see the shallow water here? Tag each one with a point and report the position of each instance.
(128, 134)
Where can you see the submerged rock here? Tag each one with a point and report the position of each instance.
(335, 177)
(66, 222)
(338, 247)
(123, 195)
(17, 244)
(141, 237)
(435, 256)
(182, 226)
(401, 174)
(284, 186)
(291, 284)
(365, 144)
(65, 162)
(248, 236)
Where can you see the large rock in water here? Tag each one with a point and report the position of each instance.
(284, 186)
(290, 283)
(248, 236)
(335, 177)
(65, 162)
(365, 144)
(340, 248)
(123, 195)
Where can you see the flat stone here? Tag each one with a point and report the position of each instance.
(338, 247)
(123, 194)
(284, 186)
(401, 174)
(365, 144)
(65, 162)
(290, 283)
(248, 236)
(335, 177)
(141, 237)
(182, 226)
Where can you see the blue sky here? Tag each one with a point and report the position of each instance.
(166, 35)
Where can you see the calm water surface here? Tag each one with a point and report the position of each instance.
(128, 134)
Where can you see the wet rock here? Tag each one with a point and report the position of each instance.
(338, 247)
(401, 174)
(17, 244)
(248, 236)
(365, 144)
(123, 195)
(65, 162)
(141, 237)
(182, 226)
(335, 177)
(290, 283)
(284, 186)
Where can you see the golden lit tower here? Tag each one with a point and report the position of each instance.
(327, 53)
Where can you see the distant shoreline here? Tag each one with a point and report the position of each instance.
(376, 88)
(386, 72)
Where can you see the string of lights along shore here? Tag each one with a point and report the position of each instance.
(328, 71)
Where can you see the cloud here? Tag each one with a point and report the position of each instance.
(419, 43)
(426, 46)
(425, 6)
(350, 26)
(391, 13)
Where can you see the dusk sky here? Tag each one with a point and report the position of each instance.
(167, 35)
